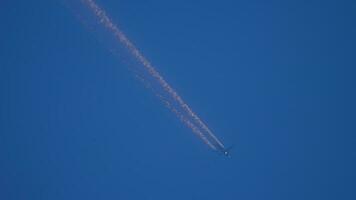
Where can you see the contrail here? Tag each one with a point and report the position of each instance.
(180, 115)
(186, 115)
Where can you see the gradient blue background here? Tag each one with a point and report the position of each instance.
(276, 79)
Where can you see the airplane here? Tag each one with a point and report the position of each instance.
(226, 151)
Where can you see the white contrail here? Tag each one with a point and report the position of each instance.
(197, 125)
(181, 116)
(187, 122)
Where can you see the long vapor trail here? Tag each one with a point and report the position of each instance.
(173, 101)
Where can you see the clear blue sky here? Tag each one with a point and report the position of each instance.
(275, 79)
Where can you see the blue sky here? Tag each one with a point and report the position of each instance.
(275, 79)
